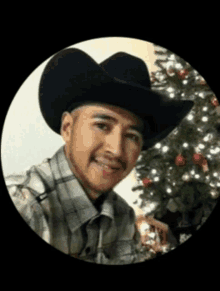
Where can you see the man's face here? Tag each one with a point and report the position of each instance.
(102, 145)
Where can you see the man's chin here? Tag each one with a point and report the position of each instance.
(102, 189)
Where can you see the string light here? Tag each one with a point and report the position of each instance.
(170, 89)
(214, 151)
(154, 171)
(201, 95)
(208, 137)
(165, 149)
(185, 82)
(139, 158)
(169, 190)
(192, 172)
(190, 117)
(197, 176)
(169, 64)
(144, 227)
(158, 146)
(175, 131)
(185, 177)
(178, 66)
(215, 174)
(185, 145)
(156, 179)
(205, 108)
(201, 146)
(205, 119)
(214, 194)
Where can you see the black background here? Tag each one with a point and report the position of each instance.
(23, 252)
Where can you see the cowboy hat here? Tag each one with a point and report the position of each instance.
(72, 78)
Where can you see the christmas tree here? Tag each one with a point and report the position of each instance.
(180, 176)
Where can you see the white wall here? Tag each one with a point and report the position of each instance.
(26, 138)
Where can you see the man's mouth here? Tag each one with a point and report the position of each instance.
(106, 165)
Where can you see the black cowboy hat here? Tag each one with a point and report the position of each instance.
(72, 78)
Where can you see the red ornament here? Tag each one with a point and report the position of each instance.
(147, 182)
(215, 102)
(182, 74)
(180, 160)
(198, 159)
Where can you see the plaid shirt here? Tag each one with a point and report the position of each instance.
(53, 203)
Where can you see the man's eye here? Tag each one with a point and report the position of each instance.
(102, 126)
(133, 137)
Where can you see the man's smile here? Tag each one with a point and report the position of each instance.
(105, 165)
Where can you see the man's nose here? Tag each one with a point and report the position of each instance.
(114, 143)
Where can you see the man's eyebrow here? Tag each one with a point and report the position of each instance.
(104, 116)
(138, 128)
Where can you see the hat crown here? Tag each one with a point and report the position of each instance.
(127, 68)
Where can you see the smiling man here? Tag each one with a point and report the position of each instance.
(106, 114)
(102, 145)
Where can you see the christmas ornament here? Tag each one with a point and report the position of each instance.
(180, 160)
(215, 102)
(182, 74)
(147, 182)
(198, 159)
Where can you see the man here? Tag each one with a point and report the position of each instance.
(106, 114)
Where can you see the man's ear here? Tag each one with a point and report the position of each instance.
(66, 126)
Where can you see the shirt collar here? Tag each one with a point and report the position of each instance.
(77, 207)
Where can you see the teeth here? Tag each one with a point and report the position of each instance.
(103, 165)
